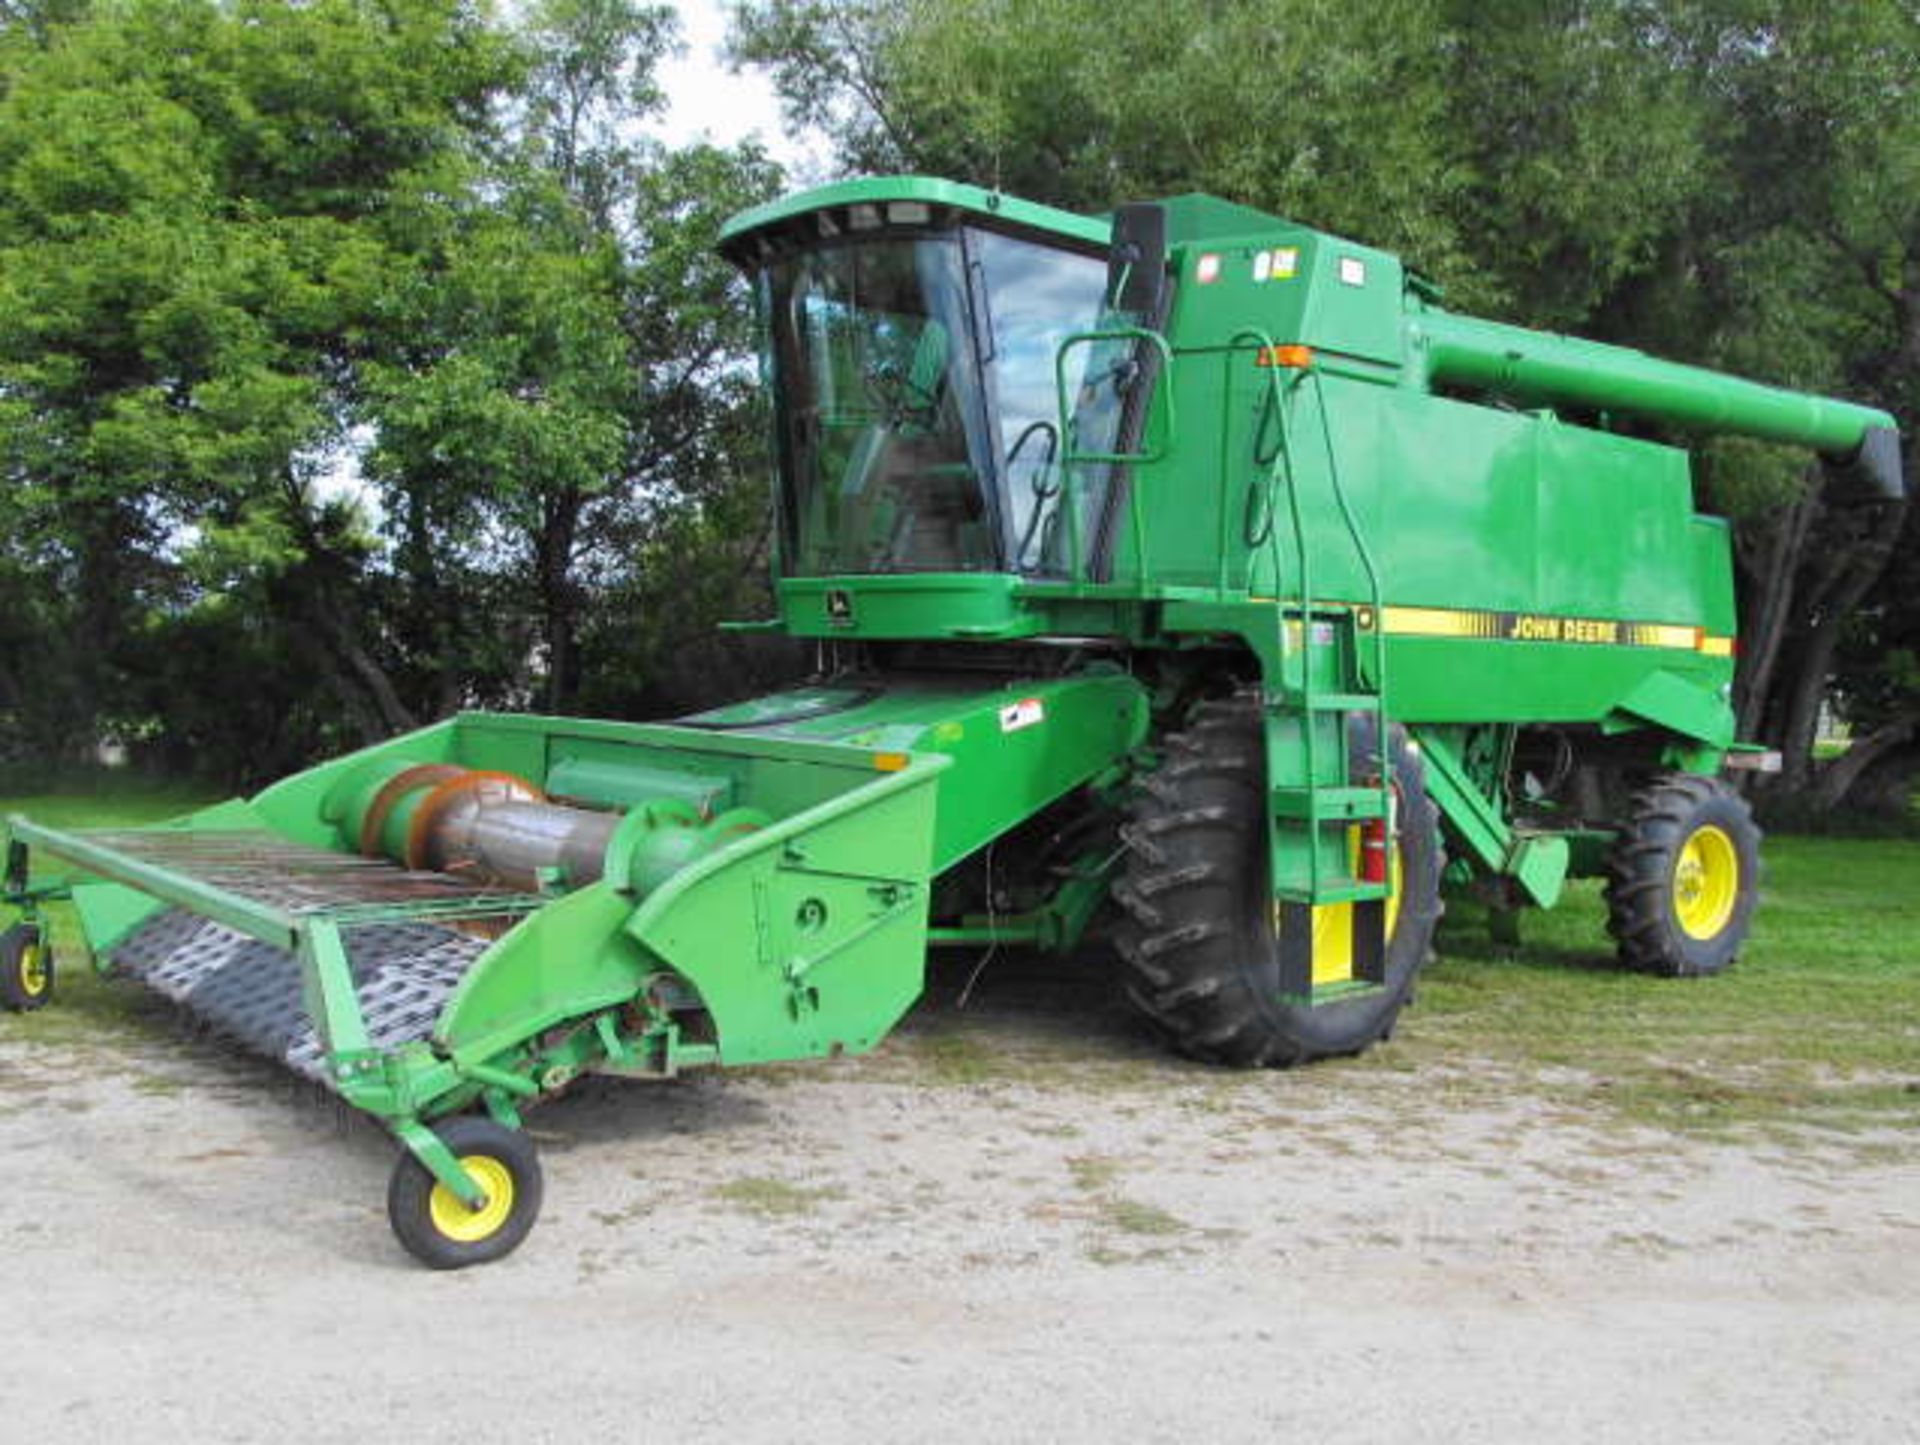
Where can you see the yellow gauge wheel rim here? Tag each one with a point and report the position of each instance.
(469, 1226)
(33, 970)
(1706, 882)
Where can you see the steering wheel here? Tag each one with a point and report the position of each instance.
(899, 400)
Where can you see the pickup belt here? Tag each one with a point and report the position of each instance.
(250, 991)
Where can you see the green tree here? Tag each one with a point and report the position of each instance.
(1522, 153)
(192, 202)
(1799, 264)
(562, 371)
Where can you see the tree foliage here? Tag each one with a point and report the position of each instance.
(564, 362)
(249, 251)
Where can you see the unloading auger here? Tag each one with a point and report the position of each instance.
(1187, 560)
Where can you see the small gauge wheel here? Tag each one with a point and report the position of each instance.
(26, 968)
(442, 1232)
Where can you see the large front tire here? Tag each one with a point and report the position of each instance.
(1198, 946)
(1683, 878)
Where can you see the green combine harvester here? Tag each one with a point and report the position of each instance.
(1185, 559)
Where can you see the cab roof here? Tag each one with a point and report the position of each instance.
(1190, 217)
(989, 205)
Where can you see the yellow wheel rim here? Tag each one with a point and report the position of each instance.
(33, 970)
(1706, 882)
(469, 1226)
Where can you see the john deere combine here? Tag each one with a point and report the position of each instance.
(1187, 558)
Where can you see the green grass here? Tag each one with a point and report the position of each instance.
(1819, 1021)
(772, 1198)
(1098, 1177)
(86, 1009)
(108, 803)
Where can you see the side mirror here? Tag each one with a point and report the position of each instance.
(1137, 263)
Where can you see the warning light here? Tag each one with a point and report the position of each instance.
(1292, 356)
(890, 762)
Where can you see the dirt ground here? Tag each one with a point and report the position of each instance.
(1018, 1221)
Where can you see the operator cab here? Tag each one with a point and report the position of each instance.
(911, 345)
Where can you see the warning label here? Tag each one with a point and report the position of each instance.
(1022, 714)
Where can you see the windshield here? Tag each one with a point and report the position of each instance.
(916, 407)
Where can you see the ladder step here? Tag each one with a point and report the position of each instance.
(1332, 890)
(1328, 805)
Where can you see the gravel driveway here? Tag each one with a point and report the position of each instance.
(1017, 1221)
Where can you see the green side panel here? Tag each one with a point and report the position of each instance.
(1468, 507)
(1615, 532)
(602, 783)
(1016, 744)
(809, 937)
(109, 912)
(1713, 566)
(569, 959)
(1671, 702)
(1436, 680)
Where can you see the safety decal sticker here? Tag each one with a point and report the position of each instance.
(1022, 714)
(1278, 265)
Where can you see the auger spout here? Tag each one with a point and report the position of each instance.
(1546, 368)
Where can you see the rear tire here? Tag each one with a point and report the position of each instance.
(440, 1231)
(1683, 878)
(26, 969)
(1200, 957)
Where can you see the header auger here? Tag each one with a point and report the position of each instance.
(1189, 558)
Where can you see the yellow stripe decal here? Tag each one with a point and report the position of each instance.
(1429, 622)
(1551, 627)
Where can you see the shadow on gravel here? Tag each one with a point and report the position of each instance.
(601, 1110)
(1068, 1009)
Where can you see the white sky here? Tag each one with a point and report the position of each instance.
(705, 99)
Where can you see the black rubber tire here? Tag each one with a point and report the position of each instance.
(410, 1195)
(1196, 941)
(1642, 869)
(26, 969)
